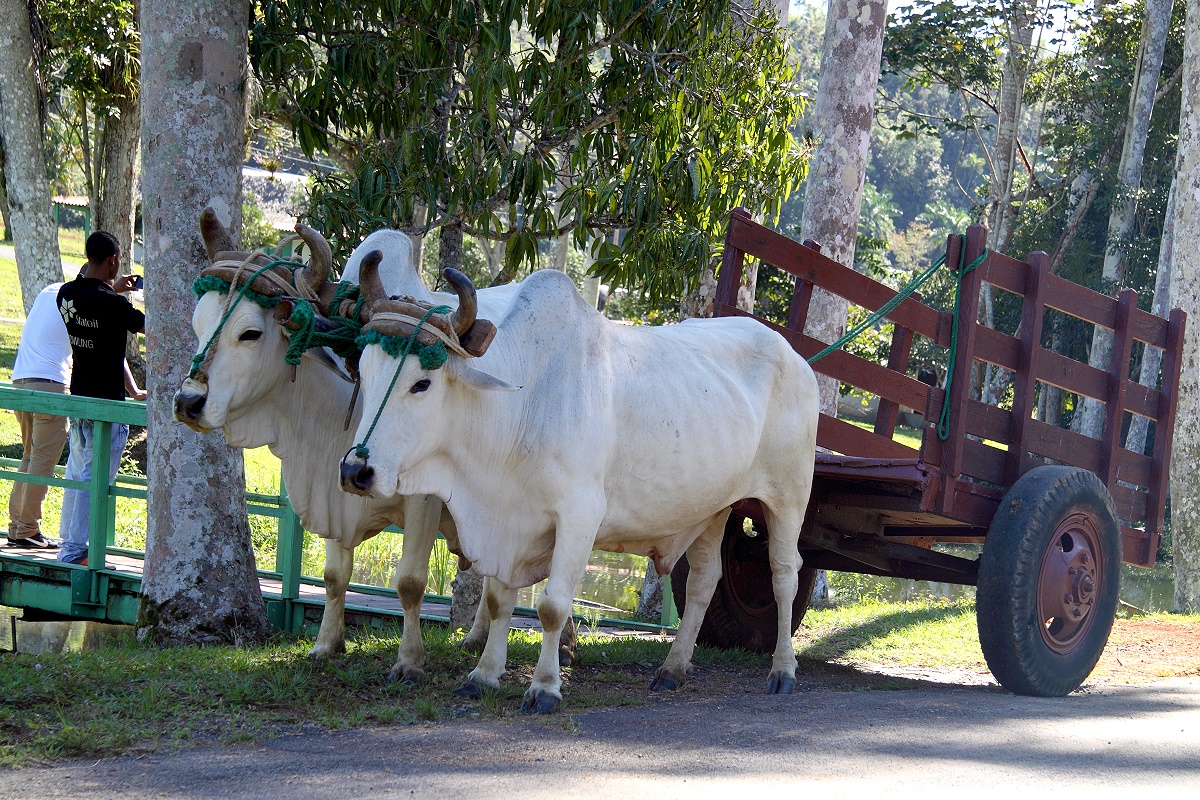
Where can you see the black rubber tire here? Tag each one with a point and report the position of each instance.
(743, 613)
(1042, 622)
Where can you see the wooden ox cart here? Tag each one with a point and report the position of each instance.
(1055, 511)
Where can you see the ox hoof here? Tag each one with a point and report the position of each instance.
(539, 701)
(666, 681)
(470, 691)
(472, 646)
(780, 683)
(410, 676)
(566, 655)
(321, 652)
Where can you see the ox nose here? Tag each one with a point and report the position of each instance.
(189, 407)
(357, 475)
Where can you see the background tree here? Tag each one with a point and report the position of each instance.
(35, 236)
(1129, 175)
(92, 62)
(1185, 293)
(843, 112)
(200, 582)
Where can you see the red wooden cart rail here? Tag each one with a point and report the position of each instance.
(878, 504)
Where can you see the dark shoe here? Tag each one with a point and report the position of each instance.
(39, 541)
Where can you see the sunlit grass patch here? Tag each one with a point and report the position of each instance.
(938, 634)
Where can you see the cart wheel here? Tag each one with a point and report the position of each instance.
(1049, 579)
(743, 610)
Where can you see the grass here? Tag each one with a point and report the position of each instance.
(126, 698)
(933, 633)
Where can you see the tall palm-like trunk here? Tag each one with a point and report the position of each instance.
(200, 583)
(1135, 440)
(1120, 219)
(1185, 294)
(35, 236)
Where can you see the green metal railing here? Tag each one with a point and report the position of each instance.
(97, 592)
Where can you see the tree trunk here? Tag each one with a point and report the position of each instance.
(115, 194)
(844, 112)
(1139, 427)
(1185, 293)
(1120, 219)
(1004, 152)
(3, 191)
(35, 236)
(200, 583)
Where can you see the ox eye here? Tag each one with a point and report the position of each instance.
(419, 386)
(250, 336)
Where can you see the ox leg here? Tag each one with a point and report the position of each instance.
(421, 514)
(498, 600)
(704, 557)
(782, 547)
(339, 565)
(554, 609)
(476, 638)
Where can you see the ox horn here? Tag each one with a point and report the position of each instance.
(370, 285)
(468, 305)
(216, 236)
(317, 272)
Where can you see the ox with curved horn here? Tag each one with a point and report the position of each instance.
(311, 279)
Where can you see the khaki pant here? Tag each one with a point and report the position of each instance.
(43, 437)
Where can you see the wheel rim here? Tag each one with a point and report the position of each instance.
(1069, 583)
(748, 578)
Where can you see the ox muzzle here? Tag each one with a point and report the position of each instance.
(356, 474)
(189, 404)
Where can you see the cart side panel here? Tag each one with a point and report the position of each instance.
(988, 446)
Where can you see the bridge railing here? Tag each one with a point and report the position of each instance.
(89, 586)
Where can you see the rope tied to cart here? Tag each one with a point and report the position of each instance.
(943, 429)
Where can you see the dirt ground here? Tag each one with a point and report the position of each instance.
(1145, 650)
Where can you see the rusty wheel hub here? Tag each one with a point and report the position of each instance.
(1069, 583)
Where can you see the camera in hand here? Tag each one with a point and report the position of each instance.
(137, 281)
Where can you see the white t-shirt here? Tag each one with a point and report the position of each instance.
(45, 350)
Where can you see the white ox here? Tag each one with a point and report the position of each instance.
(572, 432)
(250, 396)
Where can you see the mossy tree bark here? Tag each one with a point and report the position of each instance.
(34, 234)
(844, 113)
(1185, 294)
(200, 583)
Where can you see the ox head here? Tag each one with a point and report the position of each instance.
(246, 359)
(410, 402)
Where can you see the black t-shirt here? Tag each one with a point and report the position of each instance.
(98, 323)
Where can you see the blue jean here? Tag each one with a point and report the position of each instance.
(73, 529)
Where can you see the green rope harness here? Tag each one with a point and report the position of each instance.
(405, 346)
(199, 359)
(305, 336)
(943, 429)
(883, 311)
(917, 282)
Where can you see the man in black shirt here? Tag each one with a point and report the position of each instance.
(99, 321)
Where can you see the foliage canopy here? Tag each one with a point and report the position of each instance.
(522, 122)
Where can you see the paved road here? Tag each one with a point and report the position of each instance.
(1133, 741)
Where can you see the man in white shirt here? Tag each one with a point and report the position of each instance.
(43, 364)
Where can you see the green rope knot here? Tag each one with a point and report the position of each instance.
(432, 356)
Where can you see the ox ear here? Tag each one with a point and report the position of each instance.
(481, 380)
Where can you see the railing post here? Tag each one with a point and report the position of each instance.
(289, 552)
(98, 512)
(670, 615)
